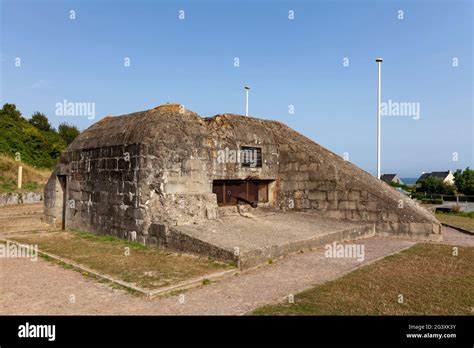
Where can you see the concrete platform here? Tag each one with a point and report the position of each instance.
(251, 241)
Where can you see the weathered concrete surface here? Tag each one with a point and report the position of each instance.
(126, 175)
(20, 198)
(254, 240)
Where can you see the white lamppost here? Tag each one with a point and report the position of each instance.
(247, 88)
(379, 98)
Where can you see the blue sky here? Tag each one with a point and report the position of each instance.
(286, 62)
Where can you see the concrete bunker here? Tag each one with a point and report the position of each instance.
(153, 176)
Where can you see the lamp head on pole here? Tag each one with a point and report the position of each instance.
(379, 60)
(247, 87)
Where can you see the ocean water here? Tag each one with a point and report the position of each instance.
(409, 181)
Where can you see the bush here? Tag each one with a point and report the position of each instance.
(68, 132)
(432, 201)
(10, 111)
(37, 146)
(465, 181)
(418, 195)
(435, 185)
(456, 208)
(40, 121)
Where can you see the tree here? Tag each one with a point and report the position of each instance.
(435, 185)
(40, 121)
(68, 132)
(37, 147)
(10, 111)
(464, 181)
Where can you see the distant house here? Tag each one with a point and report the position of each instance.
(446, 176)
(391, 178)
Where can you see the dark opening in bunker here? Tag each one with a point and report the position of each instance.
(62, 191)
(231, 192)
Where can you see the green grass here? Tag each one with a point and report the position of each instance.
(34, 179)
(431, 279)
(145, 266)
(94, 237)
(92, 276)
(469, 215)
(462, 220)
(12, 186)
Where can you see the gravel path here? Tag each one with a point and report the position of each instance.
(454, 237)
(41, 287)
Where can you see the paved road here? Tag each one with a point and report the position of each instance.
(465, 206)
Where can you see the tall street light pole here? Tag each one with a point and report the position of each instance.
(379, 98)
(247, 88)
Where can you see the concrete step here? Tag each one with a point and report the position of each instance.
(259, 256)
(35, 214)
(253, 241)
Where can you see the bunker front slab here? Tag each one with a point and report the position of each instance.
(250, 241)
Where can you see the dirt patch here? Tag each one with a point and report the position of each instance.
(22, 219)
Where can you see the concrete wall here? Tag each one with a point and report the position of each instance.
(20, 198)
(53, 201)
(102, 190)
